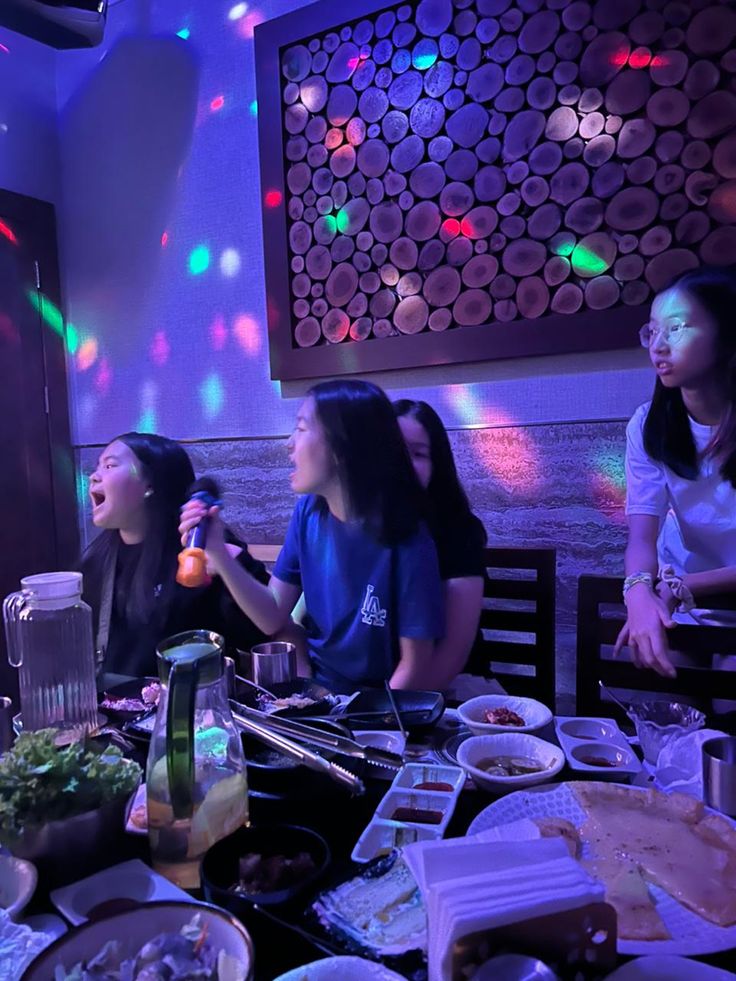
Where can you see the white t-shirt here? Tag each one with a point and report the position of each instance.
(697, 517)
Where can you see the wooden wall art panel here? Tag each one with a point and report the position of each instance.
(456, 180)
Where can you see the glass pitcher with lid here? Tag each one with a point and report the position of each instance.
(48, 628)
(196, 784)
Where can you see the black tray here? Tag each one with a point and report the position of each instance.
(323, 699)
(419, 710)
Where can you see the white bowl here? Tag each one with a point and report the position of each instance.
(134, 928)
(473, 713)
(18, 880)
(478, 748)
(341, 969)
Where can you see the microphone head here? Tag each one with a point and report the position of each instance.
(204, 485)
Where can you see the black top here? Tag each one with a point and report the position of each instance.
(131, 647)
(461, 556)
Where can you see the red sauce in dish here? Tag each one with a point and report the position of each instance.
(417, 815)
(445, 788)
(597, 761)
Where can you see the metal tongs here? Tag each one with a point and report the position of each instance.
(304, 733)
(301, 754)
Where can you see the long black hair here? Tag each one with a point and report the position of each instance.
(373, 463)
(667, 434)
(166, 467)
(450, 514)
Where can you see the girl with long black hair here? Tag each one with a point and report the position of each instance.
(356, 546)
(458, 534)
(137, 489)
(681, 464)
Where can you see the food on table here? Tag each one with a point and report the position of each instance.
(138, 817)
(381, 909)
(181, 956)
(40, 782)
(148, 699)
(437, 785)
(259, 873)
(509, 766)
(417, 815)
(504, 717)
(636, 837)
(597, 761)
(295, 701)
(560, 828)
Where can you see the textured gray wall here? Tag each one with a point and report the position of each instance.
(555, 486)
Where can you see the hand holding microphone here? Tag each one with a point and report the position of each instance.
(198, 522)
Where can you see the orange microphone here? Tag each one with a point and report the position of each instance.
(192, 569)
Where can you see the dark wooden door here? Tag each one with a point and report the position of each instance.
(38, 530)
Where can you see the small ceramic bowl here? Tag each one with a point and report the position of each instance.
(220, 865)
(473, 713)
(479, 748)
(18, 880)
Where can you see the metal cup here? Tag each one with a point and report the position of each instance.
(719, 774)
(272, 663)
(7, 733)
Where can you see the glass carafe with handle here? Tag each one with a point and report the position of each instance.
(196, 784)
(48, 628)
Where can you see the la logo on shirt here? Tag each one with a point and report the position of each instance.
(372, 613)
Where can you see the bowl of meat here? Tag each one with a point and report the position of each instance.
(487, 714)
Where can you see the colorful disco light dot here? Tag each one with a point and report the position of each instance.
(218, 333)
(230, 263)
(147, 421)
(103, 377)
(183, 33)
(212, 395)
(50, 314)
(8, 233)
(72, 339)
(82, 486)
(199, 260)
(343, 220)
(273, 198)
(451, 227)
(164, 240)
(248, 23)
(87, 354)
(254, 107)
(238, 11)
(587, 261)
(424, 54)
(640, 58)
(160, 348)
(246, 333)
(217, 103)
(4, 49)
(330, 224)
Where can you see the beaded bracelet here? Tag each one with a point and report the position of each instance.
(635, 578)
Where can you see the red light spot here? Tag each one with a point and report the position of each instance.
(218, 333)
(247, 24)
(451, 227)
(164, 240)
(160, 349)
(217, 103)
(103, 378)
(640, 58)
(4, 49)
(8, 232)
(619, 57)
(466, 228)
(273, 198)
(658, 61)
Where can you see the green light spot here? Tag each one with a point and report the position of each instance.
(184, 35)
(343, 220)
(611, 466)
(72, 339)
(147, 422)
(212, 395)
(254, 107)
(82, 487)
(587, 262)
(50, 314)
(199, 260)
(424, 54)
(564, 246)
(331, 224)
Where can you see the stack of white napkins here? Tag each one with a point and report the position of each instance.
(500, 876)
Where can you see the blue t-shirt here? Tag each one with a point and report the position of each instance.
(360, 595)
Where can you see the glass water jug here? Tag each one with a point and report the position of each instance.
(48, 628)
(196, 784)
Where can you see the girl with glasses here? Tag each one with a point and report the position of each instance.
(681, 464)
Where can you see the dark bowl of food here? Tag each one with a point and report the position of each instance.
(267, 865)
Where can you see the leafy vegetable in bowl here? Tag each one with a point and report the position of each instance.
(40, 782)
